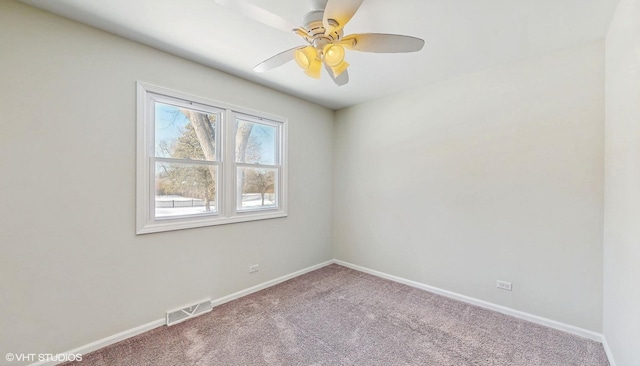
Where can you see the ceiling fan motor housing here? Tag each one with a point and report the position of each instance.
(315, 29)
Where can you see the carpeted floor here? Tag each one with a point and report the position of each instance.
(338, 316)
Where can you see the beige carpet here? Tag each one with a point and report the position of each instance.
(337, 316)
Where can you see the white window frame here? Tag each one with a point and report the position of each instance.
(226, 180)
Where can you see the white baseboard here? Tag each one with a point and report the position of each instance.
(607, 350)
(484, 304)
(267, 284)
(83, 350)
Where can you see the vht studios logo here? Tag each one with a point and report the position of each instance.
(50, 357)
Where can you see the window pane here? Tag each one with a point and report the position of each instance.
(183, 133)
(183, 189)
(255, 143)
(256, 188)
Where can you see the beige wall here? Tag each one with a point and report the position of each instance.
(494, 175)
(72, 270)
(622, 186)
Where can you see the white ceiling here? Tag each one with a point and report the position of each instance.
(461, 36)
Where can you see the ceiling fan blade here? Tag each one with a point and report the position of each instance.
(277, 60)
(341, 79)
(341, 11)
(258, 14)
(382, 43)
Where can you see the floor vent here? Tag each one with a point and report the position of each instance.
(191, 311)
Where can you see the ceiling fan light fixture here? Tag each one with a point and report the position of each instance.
(309, 60)
(314, 69)
(339, 69)
(305, 56)
(333, 55)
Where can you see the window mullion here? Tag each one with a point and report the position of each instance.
(229, 159)
(151, 195)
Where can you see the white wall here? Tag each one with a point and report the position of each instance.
(72, 270)
(622, 186)
(494, 175)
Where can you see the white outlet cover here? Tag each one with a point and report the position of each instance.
(504, 285)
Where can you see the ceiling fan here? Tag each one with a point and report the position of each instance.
(322, 30)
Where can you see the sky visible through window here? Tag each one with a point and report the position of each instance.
(262, 142)
(171, 123)
(264, 135)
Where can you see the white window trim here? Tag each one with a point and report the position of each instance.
(227, 179)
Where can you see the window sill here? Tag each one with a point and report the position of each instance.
(160, 226)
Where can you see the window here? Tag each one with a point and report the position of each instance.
(202, 162)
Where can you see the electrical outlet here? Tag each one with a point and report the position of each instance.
(253, 268)
(504, 285)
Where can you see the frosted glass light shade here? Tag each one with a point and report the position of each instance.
(314, 69)
(339, 69)
(305, 56)
(333, 54)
